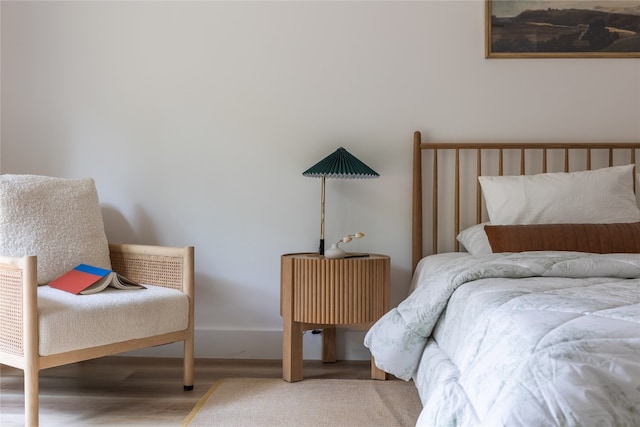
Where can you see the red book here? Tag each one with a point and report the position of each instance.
(86, 279)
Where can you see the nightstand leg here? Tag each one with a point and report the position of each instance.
(329, 344)
(377, 374)
(292, 351)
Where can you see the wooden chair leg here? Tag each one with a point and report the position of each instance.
(31, 397)
(188, 364)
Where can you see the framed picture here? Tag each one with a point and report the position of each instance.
(562, 29)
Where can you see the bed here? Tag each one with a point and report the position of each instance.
(525, 309)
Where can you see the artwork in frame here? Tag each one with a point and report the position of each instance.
(562, 29)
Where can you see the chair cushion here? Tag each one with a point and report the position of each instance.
(71, 322)
(59, 220)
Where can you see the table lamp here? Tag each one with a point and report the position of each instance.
(339, 164)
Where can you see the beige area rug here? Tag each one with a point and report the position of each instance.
(250, 402)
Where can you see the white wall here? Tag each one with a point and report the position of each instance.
(196, 120)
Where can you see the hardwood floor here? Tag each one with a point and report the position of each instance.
(138, 391)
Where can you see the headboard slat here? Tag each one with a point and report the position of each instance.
(456, 215)
(435, 198)
(478, 190)
(610, 157)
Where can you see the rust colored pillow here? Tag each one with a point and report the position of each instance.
(594, 238)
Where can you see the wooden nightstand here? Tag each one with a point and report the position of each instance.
(321, 293)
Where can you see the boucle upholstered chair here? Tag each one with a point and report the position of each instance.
(47, 227)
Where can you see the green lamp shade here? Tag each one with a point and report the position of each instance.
(340, 164)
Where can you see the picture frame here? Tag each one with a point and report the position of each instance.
(562, 29)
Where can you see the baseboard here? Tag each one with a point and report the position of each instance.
(251, 344)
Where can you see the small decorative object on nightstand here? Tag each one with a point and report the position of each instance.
(321, 293)
(335, 251)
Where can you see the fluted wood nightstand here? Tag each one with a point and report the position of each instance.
(321, 293)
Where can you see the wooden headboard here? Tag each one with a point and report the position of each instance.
(452, 200)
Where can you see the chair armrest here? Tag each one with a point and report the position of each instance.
(18, 304)
(170, 267)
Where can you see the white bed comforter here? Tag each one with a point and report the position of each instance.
(531, 339)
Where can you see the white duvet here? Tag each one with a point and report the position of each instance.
(527, 339)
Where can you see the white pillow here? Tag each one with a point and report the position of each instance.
(58, 220)
(475, 240)
(597, 196)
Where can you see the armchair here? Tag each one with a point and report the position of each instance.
(42, 327)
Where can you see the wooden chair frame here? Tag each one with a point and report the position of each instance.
(163, 266)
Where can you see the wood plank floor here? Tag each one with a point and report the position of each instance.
(138, 391)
